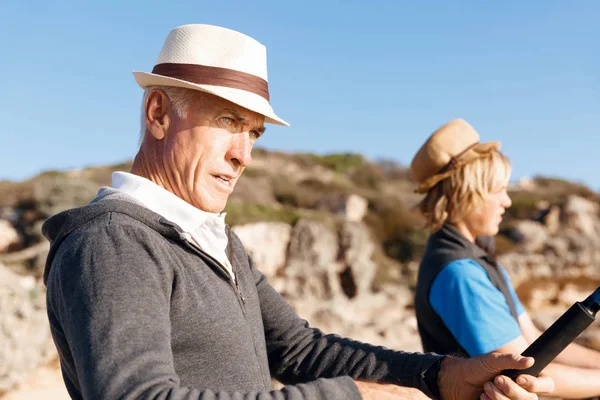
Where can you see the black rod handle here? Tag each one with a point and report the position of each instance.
(555, 339)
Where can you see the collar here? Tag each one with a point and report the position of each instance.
(451, 238)
(165, 203)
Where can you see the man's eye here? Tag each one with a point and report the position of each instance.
(227, 120)
(255, 134)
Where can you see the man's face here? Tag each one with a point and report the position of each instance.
(485, 219)
(205, 153)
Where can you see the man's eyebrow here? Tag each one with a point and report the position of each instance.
(240, 118)
(236, 115)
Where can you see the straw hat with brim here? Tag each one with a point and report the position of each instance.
(448, 148)
(215, 60)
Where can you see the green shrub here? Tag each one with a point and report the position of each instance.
(340, 162)
(394, 170)
(309, 193)
(368, 175)
(51, 174)
(252, 172)
(290, 194)
(123, 166)
(398, 228)
(525, 204)
(239, 213)
(406, 246)
(562, 187)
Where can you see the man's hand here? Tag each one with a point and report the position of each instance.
(378, 391)
(468, 378)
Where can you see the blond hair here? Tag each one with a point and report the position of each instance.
(454, 197)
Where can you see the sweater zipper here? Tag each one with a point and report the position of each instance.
(233, 269)
(233, 282)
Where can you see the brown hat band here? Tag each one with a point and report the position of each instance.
(443, 173)
(216, 76)
(454, 160)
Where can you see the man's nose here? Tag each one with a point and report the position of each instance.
(241, 149)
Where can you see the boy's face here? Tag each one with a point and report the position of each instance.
(485, 218)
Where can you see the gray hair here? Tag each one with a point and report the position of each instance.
(180, 99)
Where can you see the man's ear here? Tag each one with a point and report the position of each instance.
(157, 116)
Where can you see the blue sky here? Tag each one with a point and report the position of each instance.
(372, 77)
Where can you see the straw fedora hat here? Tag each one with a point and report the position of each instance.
(214, 60)
(451, 146)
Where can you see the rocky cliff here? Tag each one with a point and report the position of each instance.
(335, 234)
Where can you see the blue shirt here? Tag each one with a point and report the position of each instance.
(473, 309)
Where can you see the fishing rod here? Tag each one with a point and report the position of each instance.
(559, 335)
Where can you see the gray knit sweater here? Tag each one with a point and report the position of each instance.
(137, 311)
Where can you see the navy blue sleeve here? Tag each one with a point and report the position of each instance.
(472, 308)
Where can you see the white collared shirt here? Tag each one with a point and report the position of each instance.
(206, 229)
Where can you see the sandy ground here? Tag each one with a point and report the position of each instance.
(45, 384)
